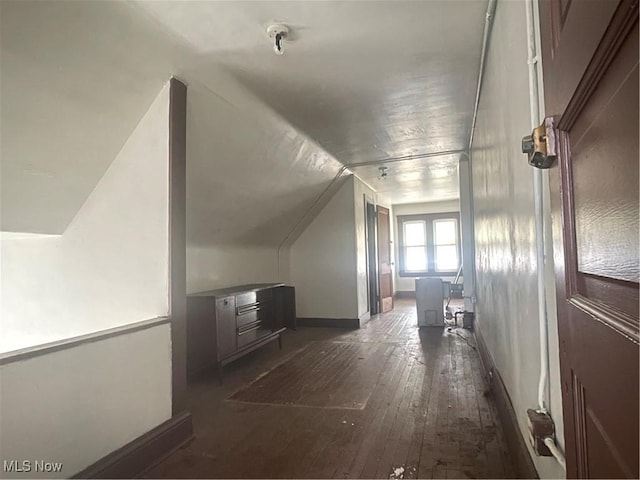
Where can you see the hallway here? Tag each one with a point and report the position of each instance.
(384, 401)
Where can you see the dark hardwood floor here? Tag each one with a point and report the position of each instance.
(386, 401)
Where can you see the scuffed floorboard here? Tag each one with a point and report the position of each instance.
(385, 401)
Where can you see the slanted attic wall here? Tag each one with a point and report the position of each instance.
(251, 177)
(328, 262)
(109, 268)
(324, 261)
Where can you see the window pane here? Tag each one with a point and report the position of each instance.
(414, 234)
(415, 259)
(446, 258)
(445, 232)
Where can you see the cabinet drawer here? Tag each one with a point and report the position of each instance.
(246, 299)
(252, 314)
(252, 333)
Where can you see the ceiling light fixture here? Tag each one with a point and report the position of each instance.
(278, 33)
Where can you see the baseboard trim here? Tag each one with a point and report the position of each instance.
(516, 443)
(144, 452)
(405, 294)
(485, 359)
(364, 319)
(350, 323)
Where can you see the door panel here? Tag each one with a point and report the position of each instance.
(594, 99)
(606, 195)
(384, 260)
(572, 30)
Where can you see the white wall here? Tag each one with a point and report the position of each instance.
(361, 194)
(77, 405)
(466, 233)
(110, 267)
(507, 312)
(408, 284)
(224, 265)
(338, 231)
(324, 262)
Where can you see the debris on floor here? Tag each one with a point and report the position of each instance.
(397, 473)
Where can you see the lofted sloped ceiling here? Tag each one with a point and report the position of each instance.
(414, 181)
(366, 80)
(250, 176)
(359, 81)
(75, 79)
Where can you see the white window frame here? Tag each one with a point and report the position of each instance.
(454, 244)
(429, 220)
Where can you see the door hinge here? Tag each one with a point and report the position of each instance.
(540, 146)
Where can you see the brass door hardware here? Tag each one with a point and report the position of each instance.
(540, 146)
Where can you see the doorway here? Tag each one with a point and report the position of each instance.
(372, 258)
(379, 265)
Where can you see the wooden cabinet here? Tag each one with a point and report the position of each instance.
(225, 324)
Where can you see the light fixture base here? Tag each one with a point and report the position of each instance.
(278, 33)
(273, 30)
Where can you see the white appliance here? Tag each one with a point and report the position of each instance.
(429, 302)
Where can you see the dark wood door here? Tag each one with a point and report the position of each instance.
(590, 64)
(385, 272)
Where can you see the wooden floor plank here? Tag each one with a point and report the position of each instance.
(431, 348)
(381, 457)
(410, 431)
(429, 449)
(375, 420)
(344, 447)
(389, 400)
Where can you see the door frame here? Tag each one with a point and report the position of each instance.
(371, 241)
(581, 320)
